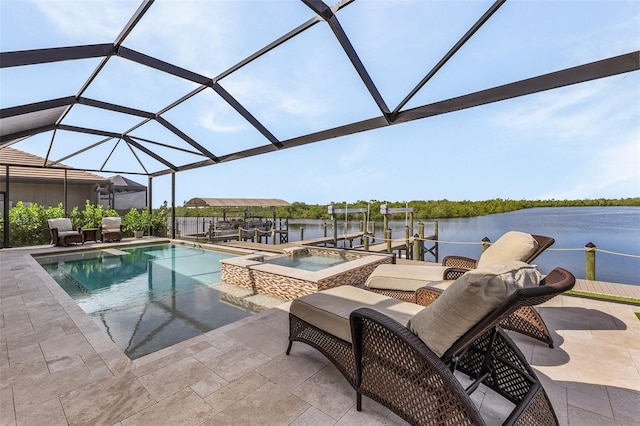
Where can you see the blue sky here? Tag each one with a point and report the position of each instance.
(581, 141)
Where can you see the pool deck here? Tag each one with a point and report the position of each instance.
(58, 367)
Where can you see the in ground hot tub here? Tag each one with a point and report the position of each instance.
(301, 270)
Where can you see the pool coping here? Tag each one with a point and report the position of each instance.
(251, 262)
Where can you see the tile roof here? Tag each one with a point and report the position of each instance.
(10, 156)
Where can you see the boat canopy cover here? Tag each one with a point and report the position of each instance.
(236, 202)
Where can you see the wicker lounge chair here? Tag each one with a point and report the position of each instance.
(111, 229)
(401, 281)
(62, 232)
(384, 360)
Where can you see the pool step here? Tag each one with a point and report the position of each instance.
(246, 298)
(114, 252)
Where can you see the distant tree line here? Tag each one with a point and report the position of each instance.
(28, 225)
(423, 209)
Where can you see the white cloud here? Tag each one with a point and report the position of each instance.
(216, 123)
(616, 169)
(354, 155)
(98, 19)
(550, 112)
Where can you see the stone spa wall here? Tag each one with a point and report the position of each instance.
(290, 283)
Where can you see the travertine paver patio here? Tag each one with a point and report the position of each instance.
(58, 367)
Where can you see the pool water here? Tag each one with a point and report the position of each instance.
(307, 261)
(150, 297)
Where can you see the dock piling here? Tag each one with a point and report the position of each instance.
(590, 261)
(416, 247)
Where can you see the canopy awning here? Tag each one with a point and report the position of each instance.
(236, 202)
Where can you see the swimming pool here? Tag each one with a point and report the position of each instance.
(147, 297)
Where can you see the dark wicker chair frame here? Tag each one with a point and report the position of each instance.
(526, 321)
(64, 240)
(110, 235)
(394, 367)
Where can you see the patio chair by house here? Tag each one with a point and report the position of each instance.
(62, 232)
(402, 281)
(409, 365)
(111, 229)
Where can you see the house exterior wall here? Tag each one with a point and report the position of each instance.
(51, 194)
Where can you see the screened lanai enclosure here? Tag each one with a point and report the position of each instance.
(152, 88)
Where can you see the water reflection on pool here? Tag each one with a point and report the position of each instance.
(147, 297)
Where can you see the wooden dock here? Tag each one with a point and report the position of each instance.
(607, 288)
(398, 245)
(321, 241)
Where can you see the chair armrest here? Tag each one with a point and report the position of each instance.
(427, 295)
(459, 262)
(54, 235)
(395, 368)
(454, 273)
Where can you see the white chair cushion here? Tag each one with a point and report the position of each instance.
(63, 224)
(468, 300)
(66, 233)
(404, 277)
(111, 223)
(329, 310)
(513, 245)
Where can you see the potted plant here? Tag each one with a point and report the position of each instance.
(137, 221)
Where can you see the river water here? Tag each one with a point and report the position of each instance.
(611, 229)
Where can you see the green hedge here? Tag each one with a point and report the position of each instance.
(28, 225)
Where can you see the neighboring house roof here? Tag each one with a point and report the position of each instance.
(36, 172)
(119, 184)
(236, 202)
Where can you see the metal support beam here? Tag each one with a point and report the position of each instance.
(37, 106)
(327, 14)
(246, 114)
(137, 16)
(173, 205)
(88, 131)
(163, 66)
(80, 151)
(114, 171)
(6, 140)
(149, 152)
(484, 18)
(65, 192)
(54, 54)
(149, 193)
(580, 74)
(186, 138)
(5, 211)
(567, 77)
(177, 148)
(117, 108)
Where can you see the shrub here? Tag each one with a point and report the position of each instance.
(28, 225)
(91, 216)
(136, 220)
